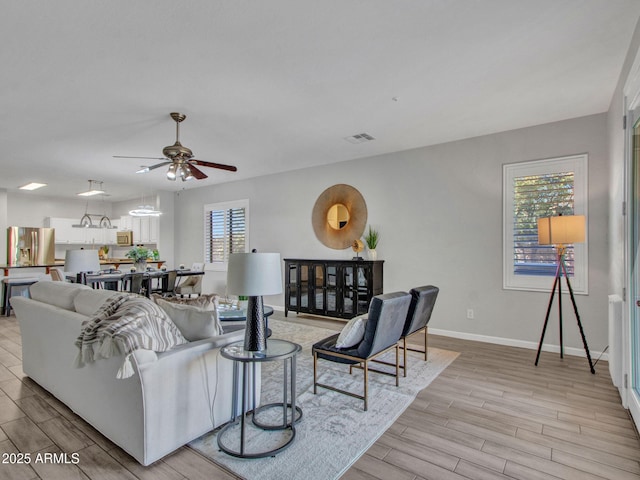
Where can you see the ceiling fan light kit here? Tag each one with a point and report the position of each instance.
(180, 159)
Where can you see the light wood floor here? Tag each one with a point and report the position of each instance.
(491, 414)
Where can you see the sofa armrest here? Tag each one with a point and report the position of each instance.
(210, 343)
(143, 356)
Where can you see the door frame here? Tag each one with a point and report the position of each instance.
(631, 102)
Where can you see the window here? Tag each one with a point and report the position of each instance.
(532, 190)
(226, 231)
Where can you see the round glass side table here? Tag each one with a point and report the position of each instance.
(246, 376)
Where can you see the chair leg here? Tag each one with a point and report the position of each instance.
(366, 385)
(404, 353)
(425, 343)
(398, 364)
(315, 370)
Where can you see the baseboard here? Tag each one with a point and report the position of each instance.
(577, 352)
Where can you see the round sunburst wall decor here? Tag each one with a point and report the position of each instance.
(341, 235)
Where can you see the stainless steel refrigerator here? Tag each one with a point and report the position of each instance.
(27, 246)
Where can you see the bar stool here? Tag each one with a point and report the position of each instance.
(8, 284)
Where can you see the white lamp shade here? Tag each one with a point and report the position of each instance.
(76, 261)
(254, 274)
(561, 230)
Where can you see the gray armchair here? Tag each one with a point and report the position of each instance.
(385, 322)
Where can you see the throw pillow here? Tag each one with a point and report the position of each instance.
(205, 302)
(352, 333)
(194, 322)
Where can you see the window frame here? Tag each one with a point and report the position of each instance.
(542, 283)
(225, 206)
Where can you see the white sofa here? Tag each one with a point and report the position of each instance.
(173, 397)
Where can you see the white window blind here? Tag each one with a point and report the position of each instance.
(537, 196)
(225, 231)
(532, 190)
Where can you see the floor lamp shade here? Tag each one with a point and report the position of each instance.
(561, 230)
(254, 275)
(77, 261)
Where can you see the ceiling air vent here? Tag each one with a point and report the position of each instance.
(359, 138)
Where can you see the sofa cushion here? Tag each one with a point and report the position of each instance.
(195, 323)
(59, 294)
(87, 302)
(352, 333)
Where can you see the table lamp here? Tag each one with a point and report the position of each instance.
(560, 231)
(80, 262)
(254, 275)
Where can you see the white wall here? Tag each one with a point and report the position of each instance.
(439, 213)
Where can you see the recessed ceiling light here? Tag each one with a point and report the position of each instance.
(33, 186)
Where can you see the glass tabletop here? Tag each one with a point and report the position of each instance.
(276, 349)
(229, 314)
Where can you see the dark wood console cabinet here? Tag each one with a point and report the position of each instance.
(334, 288)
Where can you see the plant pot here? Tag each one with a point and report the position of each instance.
(141, 265)
(373, 255)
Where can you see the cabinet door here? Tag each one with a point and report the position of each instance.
(125, 223)
(136, 228)
(319, 289)
(154, 229)
(363, 289)
(305, 286)
(331, 290)
(73, 234)
(349, 294)
(293, 292)
(110, 236)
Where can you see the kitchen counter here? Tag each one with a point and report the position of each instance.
(116, 262)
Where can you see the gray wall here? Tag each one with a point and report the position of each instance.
(439, 213)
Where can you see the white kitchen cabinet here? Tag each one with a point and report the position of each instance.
(65, 233)
(125, 223)
(68, 235)
(145, 229)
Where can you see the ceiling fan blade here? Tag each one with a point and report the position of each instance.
(221, 166)
(145, 168)
(158, 165)
(146, 158)
(196, 172)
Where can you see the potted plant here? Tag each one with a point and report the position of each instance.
(371, 239)
(139, 256)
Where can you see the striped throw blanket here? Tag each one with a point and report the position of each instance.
(124, 323)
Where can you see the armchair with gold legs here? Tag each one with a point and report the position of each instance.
(385, 321)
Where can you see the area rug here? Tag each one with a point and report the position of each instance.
(334, 431)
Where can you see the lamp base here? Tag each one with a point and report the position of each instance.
(255, 335)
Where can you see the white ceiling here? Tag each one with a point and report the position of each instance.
(276, 85)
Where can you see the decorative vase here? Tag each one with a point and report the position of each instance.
(141, 265)
(373, 255)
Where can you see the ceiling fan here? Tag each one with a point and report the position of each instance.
(180, 159)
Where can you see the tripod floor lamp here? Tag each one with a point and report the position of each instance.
(560, 231)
